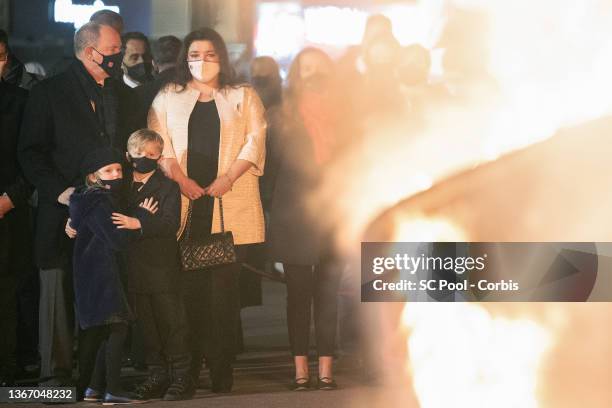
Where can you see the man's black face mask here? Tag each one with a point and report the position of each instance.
(111, 64)
(141, 72)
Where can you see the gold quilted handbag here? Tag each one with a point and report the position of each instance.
(213, 250)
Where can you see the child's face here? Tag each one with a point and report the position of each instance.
(151, 150)
(110, 172)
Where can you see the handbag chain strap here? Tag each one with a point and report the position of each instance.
(190, 210)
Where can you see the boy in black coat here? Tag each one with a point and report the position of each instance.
(153, 268)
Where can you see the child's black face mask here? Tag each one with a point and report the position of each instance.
(143, 164)
(113, 185)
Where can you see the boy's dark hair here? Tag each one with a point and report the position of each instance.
(167, 49)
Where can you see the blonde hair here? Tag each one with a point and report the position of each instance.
(90, 185)
(141, 137)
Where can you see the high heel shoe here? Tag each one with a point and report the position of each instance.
(301, 384)
(326, 384)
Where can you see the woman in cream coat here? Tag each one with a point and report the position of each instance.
(214, 145)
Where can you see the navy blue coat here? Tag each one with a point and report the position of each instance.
(99, 293)
(153, 259)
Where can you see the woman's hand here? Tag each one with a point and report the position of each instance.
(149, 205)
(191, 189)
(71, 232)
(125, 222)
(220, 186)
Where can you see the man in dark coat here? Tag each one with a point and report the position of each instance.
(15, 228)
(12, 70)
(166, 51)
(67, 116)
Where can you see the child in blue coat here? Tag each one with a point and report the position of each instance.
(102, 309)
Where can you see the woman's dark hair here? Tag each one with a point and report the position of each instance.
(227, 76)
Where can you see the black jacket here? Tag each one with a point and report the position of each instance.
(99, 293)
(15, 229)
(59, 129)
(294, 234)
(148, 91)
(152, 260)
(12, 103)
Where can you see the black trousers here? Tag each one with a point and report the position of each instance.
(212, 303)
(164, 326)
(100, 354)
(307, 285)
(15, 268)
(56, 325)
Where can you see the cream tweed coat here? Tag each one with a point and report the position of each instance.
(243, 134)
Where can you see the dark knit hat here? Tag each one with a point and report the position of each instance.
(98, 158)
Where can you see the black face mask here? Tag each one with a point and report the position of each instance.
(141, 73)
(261, 81)
(143, 164)
(113, 185)
(111, 64)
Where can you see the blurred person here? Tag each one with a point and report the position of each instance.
(11, 69)
(264, 74)
(102, 233)
(108, 18)
(266, 79)
(378, 82)
(66, 116)
(15, 226)
(165, 55)
(304, 145)
(137, 61)
(214, 146)
(412, 74)
(351, 63)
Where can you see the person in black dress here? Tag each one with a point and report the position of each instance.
(214, 146)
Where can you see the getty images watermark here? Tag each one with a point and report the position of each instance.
(460, 271)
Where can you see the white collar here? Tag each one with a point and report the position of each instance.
(130, 82)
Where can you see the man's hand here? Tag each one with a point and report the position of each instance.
(6, 205)
(191, 189)
(125, 222)
(64, 198)
(71, 232)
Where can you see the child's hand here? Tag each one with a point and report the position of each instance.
(71, 232)
(125, 222)
(149, 205)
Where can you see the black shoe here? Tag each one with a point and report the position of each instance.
(301, 384)
(326, 384)
(153, 387)
(92, 395)
(122, 398)
(181, 389)
(222, 377)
